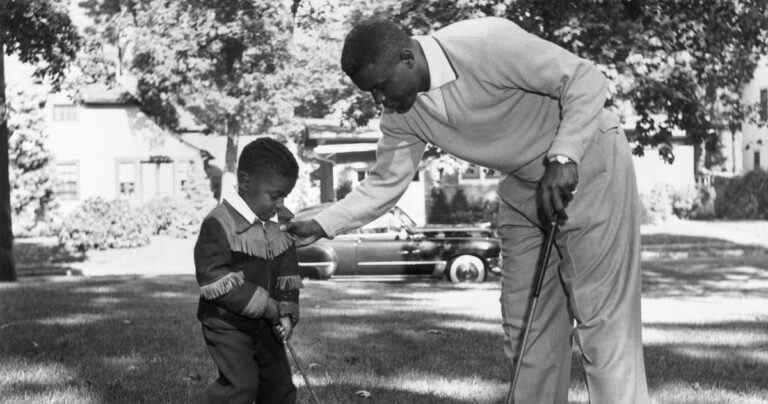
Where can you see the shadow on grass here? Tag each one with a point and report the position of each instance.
(129, 339)
(711, 277)
(725, 355)
(667, 239)
(44, 256)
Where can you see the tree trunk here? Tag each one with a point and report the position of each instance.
(733, 150)
(698, 157)
(7, 267)
(231, 154)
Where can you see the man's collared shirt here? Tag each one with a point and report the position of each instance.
(440, 73)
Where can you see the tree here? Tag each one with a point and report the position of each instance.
(30, 175)
(680, 63)
(36, 32)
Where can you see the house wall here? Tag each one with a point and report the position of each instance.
(755, 139)
(652, 171)
(97, 138)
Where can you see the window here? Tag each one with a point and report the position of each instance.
(764, 104)
(64, 113)
(472, 172)
(757, 160)
(126, 179)
(183, 174)
(490, 173)
(68, 180)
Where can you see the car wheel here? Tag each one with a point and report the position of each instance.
(466, 268)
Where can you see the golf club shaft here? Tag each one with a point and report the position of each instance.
(538, 282)
(301, 371)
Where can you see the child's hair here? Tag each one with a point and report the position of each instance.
(266, 156)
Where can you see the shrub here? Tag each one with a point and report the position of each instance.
(459, 202)
(101, 224)
(175, 217)
(656, 204)
(439, 212)
(686, 201)
(744, 197)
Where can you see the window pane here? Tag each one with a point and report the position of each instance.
(126, 179)
(64, 113)
(67, 180)
(471, 172)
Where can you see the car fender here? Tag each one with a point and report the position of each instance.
(318, 259)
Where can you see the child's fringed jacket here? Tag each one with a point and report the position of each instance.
(245, 270)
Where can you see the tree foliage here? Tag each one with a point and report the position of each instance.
(681, 64)
(39, 33)
(30, 173)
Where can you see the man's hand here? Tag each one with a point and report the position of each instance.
(284, 329)
(305, 231)
(556, 190)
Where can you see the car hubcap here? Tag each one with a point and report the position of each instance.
(468, 272)
(467, 269)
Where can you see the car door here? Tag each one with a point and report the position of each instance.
(384, 248)
(345, 248)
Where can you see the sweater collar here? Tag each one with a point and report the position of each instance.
(440, 69)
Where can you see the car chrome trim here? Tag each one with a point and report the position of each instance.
(372, 263)
(317, 264)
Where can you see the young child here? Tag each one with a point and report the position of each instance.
(249, 281)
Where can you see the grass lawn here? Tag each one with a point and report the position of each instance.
(130, 339)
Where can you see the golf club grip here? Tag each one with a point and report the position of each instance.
(547, 252)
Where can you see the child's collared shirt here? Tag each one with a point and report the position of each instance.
(246, 268)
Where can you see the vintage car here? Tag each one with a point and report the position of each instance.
(394, 245)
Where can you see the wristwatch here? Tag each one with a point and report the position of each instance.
(560, 159)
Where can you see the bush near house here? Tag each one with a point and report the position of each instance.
(664, 202)
(175, 217)
(101, 224)
(460, 210)
(742, 198)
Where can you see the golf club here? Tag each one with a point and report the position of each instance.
(301, 371)
(538, 281)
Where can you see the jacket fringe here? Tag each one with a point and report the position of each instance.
(291, 282)
(261, 239)
(258, 243)
(222, 286)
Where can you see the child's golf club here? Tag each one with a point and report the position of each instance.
(301, 371)
(538, 281)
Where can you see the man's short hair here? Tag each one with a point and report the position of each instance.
(371, 41)
(268, 157)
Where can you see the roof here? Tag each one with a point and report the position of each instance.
(214, 144)
(101, 94)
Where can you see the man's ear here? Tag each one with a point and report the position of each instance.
(407, 56)
(243, 179)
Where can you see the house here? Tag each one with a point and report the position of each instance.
(479, 183)
(750, 147)
(345, 156)
(105, 146)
